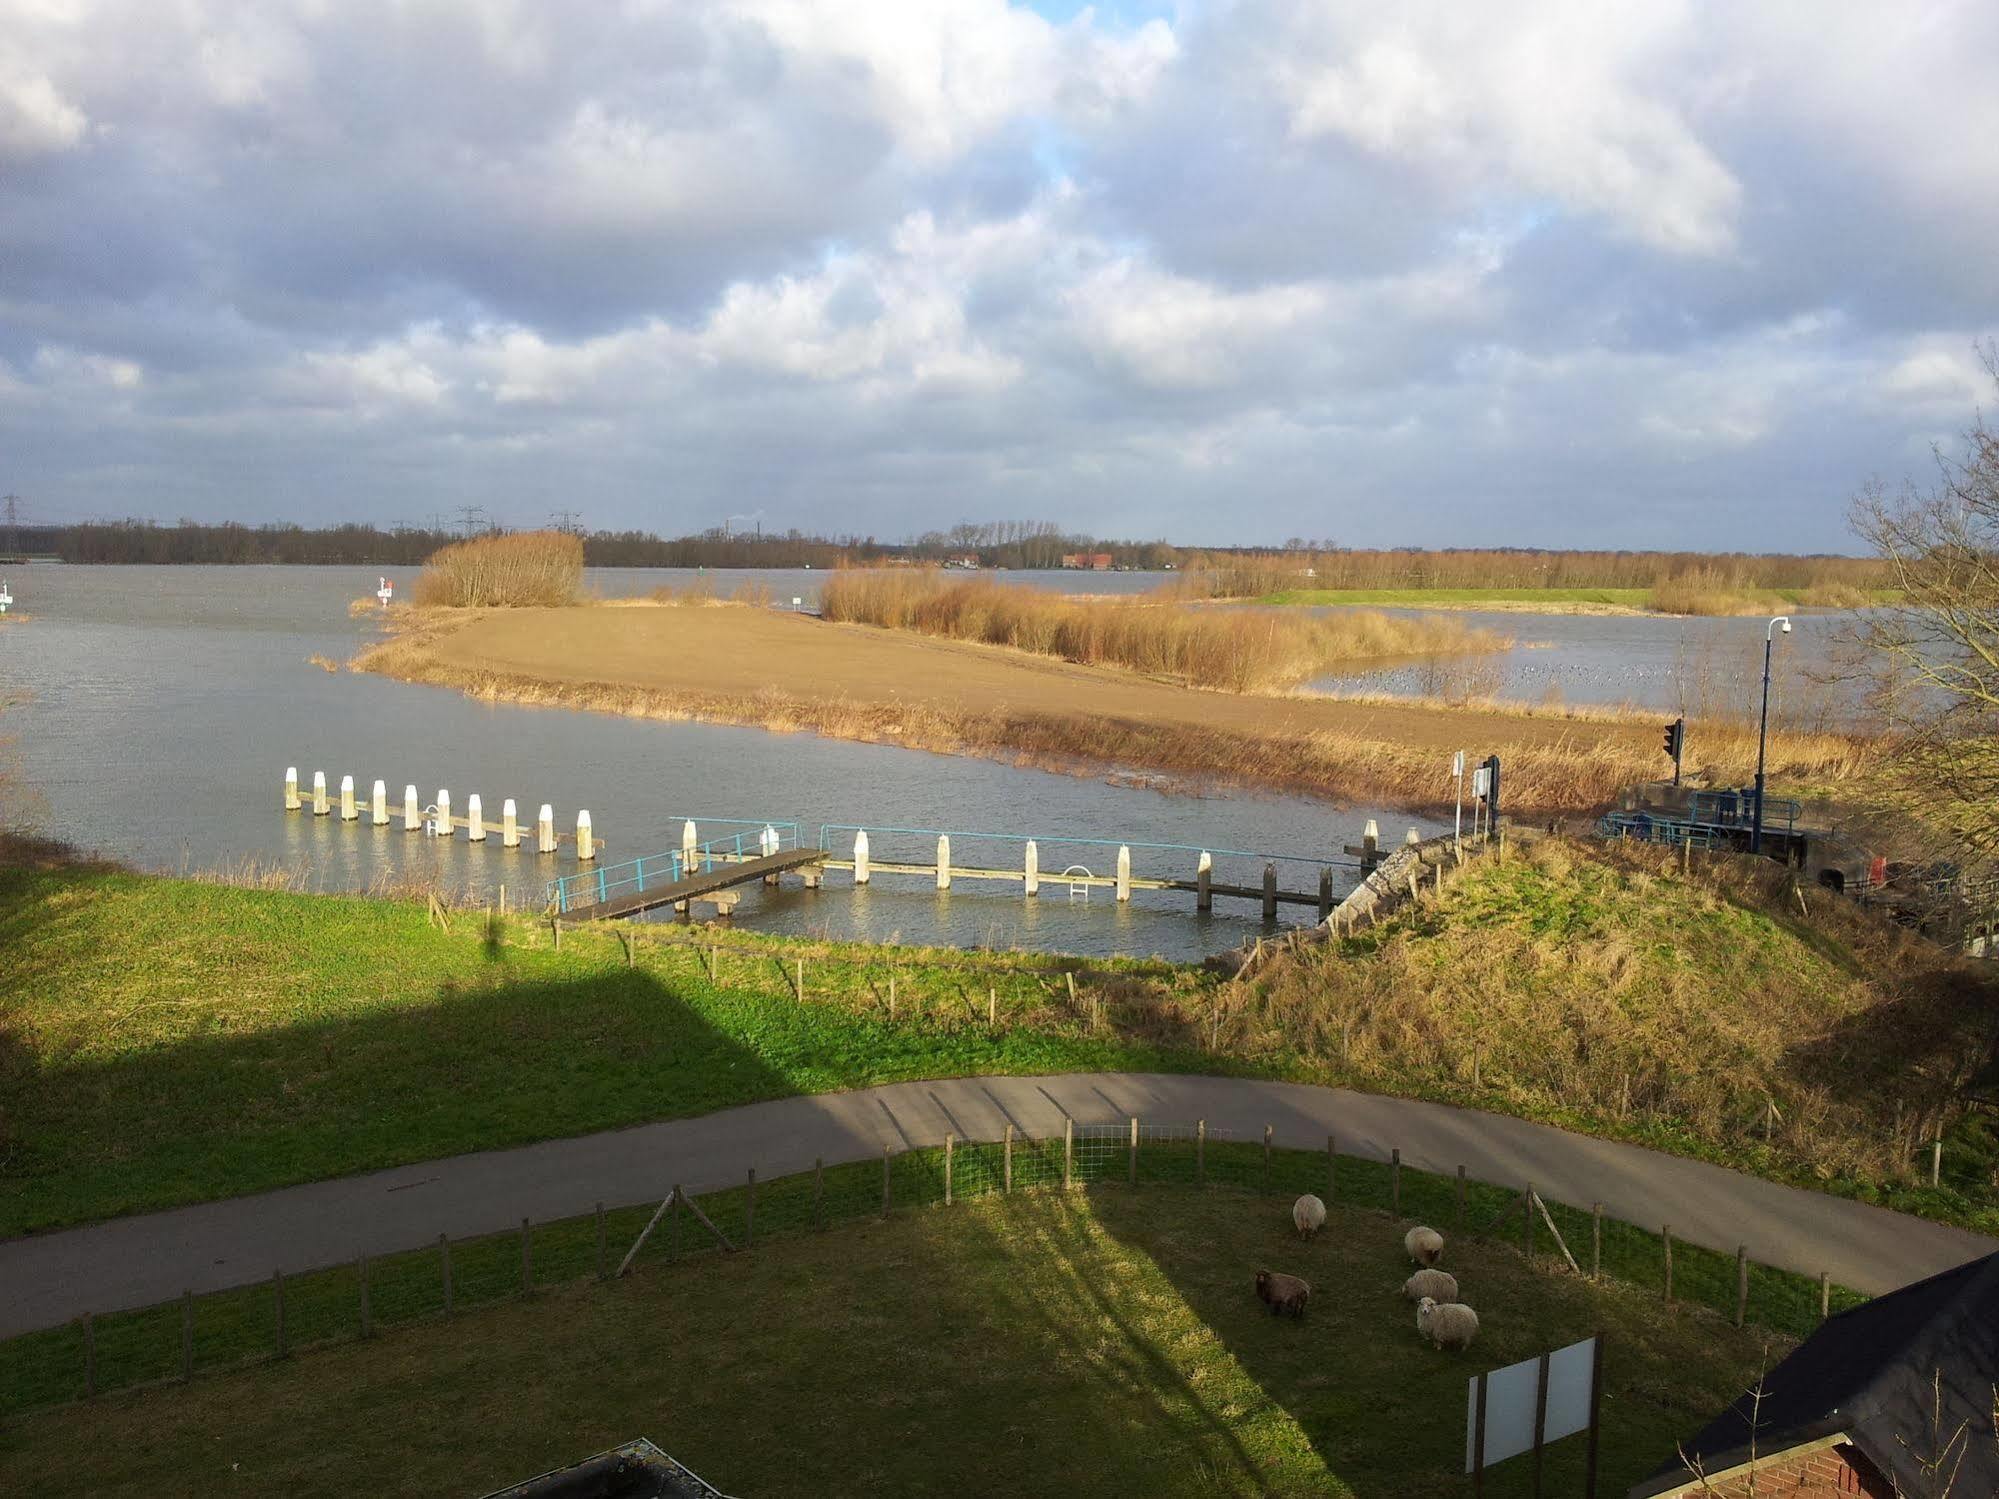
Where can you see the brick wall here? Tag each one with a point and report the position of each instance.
(1837, 1472)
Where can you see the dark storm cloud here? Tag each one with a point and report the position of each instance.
(1559, 273)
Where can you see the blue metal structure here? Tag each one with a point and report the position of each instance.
(1711, 819)
(592, 887)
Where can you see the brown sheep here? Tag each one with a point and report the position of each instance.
(1283, 1293)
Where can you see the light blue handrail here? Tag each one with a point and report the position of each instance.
(595, 886)
(827, 829)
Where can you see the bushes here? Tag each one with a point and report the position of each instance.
(1237, 650)
(527, 569)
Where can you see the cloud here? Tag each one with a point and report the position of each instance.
(1566, 272)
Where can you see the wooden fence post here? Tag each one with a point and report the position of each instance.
(750, 1211)
(1527, 1222)
(1540, 1420)
(444, 1268)
(1068, 1153)
(1825, 1294)
(1666, 1237)
(1201, 1152)
(1395, 1181)
(361, 1280)
(1741, 1283)
(950, 1142)
(186, 1335)
(992, 1007)
(1595, 1240)
(1266, 1157)
(600, 1241)
(1936, 1164)
(278, 1308)
(1009, 1158)
(1131, 1164)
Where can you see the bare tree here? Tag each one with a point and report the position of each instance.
(1937, 647)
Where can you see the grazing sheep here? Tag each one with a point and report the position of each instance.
(1309, 1214)
(1439, 1286)
(1284, 1293)
(1451, 1327)
(1425, 1245)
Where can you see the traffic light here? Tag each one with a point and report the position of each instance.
(1676, 741)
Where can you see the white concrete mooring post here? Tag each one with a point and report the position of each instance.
(1031, 868)
(319, 793)
(586, 846)
(1204, 875)
(510, 824)
(347, 809)
(544, 830)
(378, 804)
(1123, 873)
(690, 845)
(442, 827)
(412, 813)
(943, 861)
(475, 818)
(861, 857)
(292, 803)
(1414, 838)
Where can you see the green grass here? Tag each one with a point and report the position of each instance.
(1105, 1341)
(168, 1041)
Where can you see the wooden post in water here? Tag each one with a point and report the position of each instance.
(475, 818)
(378, 804)
(442, 828)
(1325, 893)
(1204, 875)
(1270, 892)
(292, 803)
(319, 793)
(1123, 874)
(348, 811)
(544, 830)
(1030, 867)
(943, 861)
(586, 845)
(412, 813)
(510, 825)
(861, 857)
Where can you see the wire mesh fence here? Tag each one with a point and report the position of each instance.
(192, 1335)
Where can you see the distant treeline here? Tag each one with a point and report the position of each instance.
(1009, 544)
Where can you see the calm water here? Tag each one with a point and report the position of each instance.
(162, 705)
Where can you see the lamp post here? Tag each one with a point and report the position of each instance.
(1783, 622)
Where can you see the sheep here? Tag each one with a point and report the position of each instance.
(1425, 1245)
(1451, 1327)
(1309, 1214)
(1439, 1286)
(1284, 1293)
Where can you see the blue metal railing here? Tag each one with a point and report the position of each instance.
(592, 887)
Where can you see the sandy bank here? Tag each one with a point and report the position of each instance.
(784, 671)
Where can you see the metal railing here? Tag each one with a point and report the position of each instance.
(1192, 851)
(593, 887)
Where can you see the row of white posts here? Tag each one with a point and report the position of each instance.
(437, 820)
(1030, 865)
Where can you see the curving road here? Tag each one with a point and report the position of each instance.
(130, 1262)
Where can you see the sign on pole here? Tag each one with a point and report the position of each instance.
(1458, 816)
(1501, 1407)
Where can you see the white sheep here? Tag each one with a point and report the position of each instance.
(1439, 1286)
(1309, 1214)
(1452, 1326)
(1425, 1245)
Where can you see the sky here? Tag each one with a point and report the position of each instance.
(1229, 271)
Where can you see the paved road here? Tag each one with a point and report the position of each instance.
(128, 1262)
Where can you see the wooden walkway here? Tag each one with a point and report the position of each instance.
(696, 885)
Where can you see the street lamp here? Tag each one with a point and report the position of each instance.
(1783, 622)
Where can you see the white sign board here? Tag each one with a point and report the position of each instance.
(1509, 1404)
(1481, 781)
(1458, 764)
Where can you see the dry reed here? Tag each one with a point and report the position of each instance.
(1251, 574)
(1234, 650)
(525, 569)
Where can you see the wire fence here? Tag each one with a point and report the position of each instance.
(180, 1339)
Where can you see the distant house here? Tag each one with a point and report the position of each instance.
(1095, 562)
(1880, 1401)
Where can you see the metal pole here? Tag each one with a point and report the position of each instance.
(1763, 730)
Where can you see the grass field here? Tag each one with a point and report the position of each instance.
(1099, 1342)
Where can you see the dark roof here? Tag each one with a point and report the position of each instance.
(1874, 1372)
(635, 1470)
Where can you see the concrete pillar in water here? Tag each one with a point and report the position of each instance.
(1414, 838)
(412, 813)
(475, 818)
(861, 857)
(1123, 873)
(378, 804)
(1204, 874)
(767, 842)
(1031, 867)
(943, 861)
(292, 803)
(319, 793)
(442, 827)
(690, 844)
(544, 830)
(510, 825)
(348, 811)
(1370, 846)
(586, 846)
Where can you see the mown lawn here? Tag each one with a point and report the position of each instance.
(168, 1041)
(1093, 1342)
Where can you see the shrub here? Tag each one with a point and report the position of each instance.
(526, 569)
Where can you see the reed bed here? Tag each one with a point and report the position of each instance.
(1238, 650)
(518, 570)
